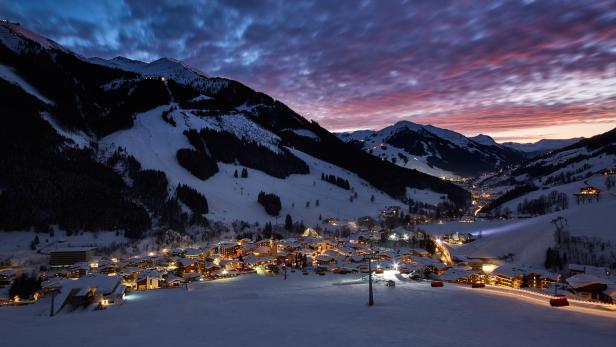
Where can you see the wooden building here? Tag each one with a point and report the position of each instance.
(587, 194)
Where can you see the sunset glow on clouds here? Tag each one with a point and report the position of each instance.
(516, 70)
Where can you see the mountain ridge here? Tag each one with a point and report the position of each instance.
(434, 150)
(101, 108)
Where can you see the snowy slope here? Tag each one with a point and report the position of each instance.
(7, 73)
(307, 310)
(154, 143)
(542, 146)
(528, 239)
(584, 161)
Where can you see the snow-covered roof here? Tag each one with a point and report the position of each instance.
(583, 280)
(453, 274)
(188, 262)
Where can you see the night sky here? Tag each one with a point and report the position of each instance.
(516, 70)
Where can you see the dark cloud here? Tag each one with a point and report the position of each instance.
(355, 64)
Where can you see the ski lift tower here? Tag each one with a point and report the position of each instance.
(370, 258)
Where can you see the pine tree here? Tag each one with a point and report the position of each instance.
(235, 174)
(288, 223)
(548, 259)
(372, 198)
(267, 230)
(244, 173)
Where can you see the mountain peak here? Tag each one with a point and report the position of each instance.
(19, 39)
(484, 140)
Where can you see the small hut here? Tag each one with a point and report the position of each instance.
(587, 194)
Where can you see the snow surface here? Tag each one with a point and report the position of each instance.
(425, 195)
(7, 73)
(79, 138)
(252, 310)
(528, 239)
(154, 143)
(375, 142)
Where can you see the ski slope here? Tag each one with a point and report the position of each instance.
(252, 310)
(154, 143)
(528, 239)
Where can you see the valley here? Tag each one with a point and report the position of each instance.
(135, 193)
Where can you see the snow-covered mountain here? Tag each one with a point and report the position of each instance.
(433, 150)
(116, 144)
(542, 146)
(567, 170)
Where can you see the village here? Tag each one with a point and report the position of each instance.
(79, 278)
(387, 248)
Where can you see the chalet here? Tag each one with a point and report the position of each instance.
(324, 259)
(539, 279)
(141, 262)
(263, 251)
(354, 259)
(209, 268)
(608, 172)
(246, 249)
(431, 265)
(193, 253)
(461, 276)
(589, 286)
(587, 194)
(50, 285)
(108, 268)
(94, 289)
(230, 264)
(509, 276)
(149, 280)
(79, 270)
(390, 211)
(173, 281)
(190, 265)
(65, 257)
